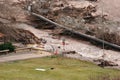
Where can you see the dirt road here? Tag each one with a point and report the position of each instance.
(22, 56)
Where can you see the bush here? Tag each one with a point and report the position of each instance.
(7, 45)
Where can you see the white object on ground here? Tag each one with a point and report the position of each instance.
(39, 69)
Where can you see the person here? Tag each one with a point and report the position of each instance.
(63, 43)
(57, 50)
(30, 8)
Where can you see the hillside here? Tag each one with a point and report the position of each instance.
(11, 16)
(111, 7)
(93, 17)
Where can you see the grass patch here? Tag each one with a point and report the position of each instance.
(65, 69)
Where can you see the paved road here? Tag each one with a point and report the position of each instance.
(28, 55)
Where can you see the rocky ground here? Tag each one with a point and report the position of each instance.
(84, 50)
(86, 16)
(90, 17)
(95, 18)
(11, 16)
(111, 8)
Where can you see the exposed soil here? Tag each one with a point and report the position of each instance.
(17, 34)
(111, 7)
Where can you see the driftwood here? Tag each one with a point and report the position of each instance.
(68, 52)
(104, 63)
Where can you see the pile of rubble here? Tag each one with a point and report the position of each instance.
(81, 9)
(83, 16)
(18, 35)
(10, 14)
(105, 63)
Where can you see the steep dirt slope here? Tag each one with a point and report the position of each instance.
(84, 16)
(111, 7)
(11, 16)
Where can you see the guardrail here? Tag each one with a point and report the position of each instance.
(18, 49)
(4, 51)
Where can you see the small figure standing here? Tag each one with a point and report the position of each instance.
(57, 51)
(63, 43)
(30, 8)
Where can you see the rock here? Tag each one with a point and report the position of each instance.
(43, 41)
(105, 63)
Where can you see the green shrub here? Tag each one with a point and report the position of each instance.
(7, 45)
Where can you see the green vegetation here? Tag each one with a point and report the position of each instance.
(64, 69)
(7, 45)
